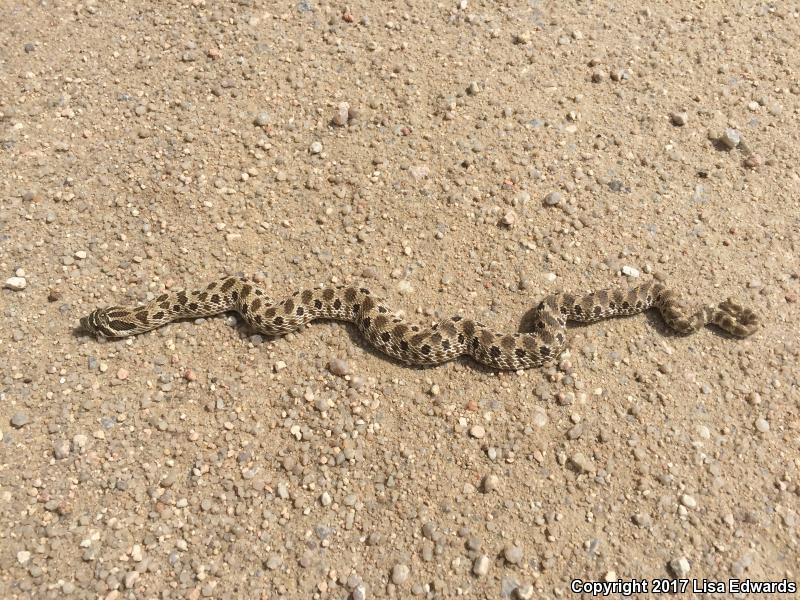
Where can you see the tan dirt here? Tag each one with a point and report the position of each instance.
(147, 146)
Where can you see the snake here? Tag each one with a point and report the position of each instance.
(419, 344)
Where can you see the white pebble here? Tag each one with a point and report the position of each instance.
(316, 147)
(136, 553)
(524, 592)
(81, 254)
(629, 271)
(688, 501)
(325, 499)
(477, 431)
(731, 138)
(680, 566)
(481, 565)
(23, 556)
(491, 483)
(400, 574)
(16, 283)
(762, 425)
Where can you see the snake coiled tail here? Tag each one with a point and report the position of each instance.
(417, 344)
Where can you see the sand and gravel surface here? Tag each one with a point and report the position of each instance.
(463, 157)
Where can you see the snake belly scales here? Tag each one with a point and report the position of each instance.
(418, 344)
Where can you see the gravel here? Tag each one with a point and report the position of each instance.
(157, 464)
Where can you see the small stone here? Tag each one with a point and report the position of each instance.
(261, 119)
(509, 219)
(688, 501)
(61, 449)
(122, 374)
(643, 520)
(491, 483)
(524, 592)
(16, 283)
(131, 577)
(342, 114)
(477, 431)
(680, 567)
(79, 442)
(753, 161)
(136, 553)
(512, 554)
(316, 148)
(629, 271)
(400, 574)
(23, 556)
(598, 77)
(54, 295)
(762, 425)
(552, 199)
(337, 366)
(522, 38)
(81, 254)
(325, 499)
(679, 118)
(359, 592)
(19, 420)
(580, 463)
(481, 565)
(473, 89)
(730, 139)
(540, 418)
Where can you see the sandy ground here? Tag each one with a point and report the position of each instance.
(492, 153)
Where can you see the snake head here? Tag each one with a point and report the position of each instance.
(97, 323)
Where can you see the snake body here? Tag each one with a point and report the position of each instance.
(417, 344)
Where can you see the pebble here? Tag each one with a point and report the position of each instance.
(342, 114)
(491, 482)
(261, 119)
(688, 501)
(16, 283)
(136, 553)
(122, 374)
(61, 449)
(762, 425)
(552, 198)
(23, 556)
(512, 554)
(477, 431)
(629, 271)
(643, 520)
(580, 463)
(81, 254)
(19, 420)
(337, 366)
(524, 591)
(473, 89)
(400, 574)
(680, 566)
(509, 219)
(316, 148)
(679, 118)
(481, 565)
(730, 138)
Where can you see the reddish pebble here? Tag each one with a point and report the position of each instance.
(122, 374)
(189, 375)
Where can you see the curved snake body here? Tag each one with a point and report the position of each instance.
(417, 344)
